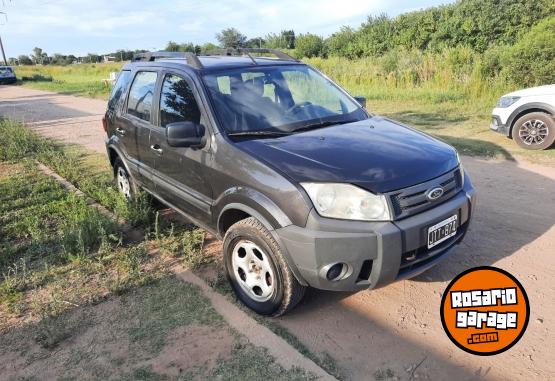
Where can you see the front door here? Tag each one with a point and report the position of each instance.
(182, 179)
(139, 118)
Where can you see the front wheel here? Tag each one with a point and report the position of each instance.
(257, 270)
(534, 131)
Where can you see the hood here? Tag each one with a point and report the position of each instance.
(540, 90)
(376, 154)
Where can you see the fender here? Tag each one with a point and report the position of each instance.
(253, 203)
(528, 106)
(268, 220)
(124, 160)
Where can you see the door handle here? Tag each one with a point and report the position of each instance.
(156, 148)
(120, 131)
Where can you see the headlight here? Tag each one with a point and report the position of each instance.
(507, 101)
(347, 201)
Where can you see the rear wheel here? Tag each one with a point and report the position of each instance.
(124, 182)
(534, 131)
(257, 270)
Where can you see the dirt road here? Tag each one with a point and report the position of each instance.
(395, 332)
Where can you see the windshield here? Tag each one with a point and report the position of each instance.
(6, 70)
(278, 100)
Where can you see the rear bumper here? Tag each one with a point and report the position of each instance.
(376, 253)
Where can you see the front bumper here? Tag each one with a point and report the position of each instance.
(7, 80)
(497, 125)
(377, 253)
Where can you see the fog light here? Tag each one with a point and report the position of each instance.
(337, 272)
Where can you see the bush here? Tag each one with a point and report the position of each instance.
(309, 45)
(531, 61)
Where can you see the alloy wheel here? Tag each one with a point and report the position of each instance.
(533, 132)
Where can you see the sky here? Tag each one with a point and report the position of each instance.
(103, 26)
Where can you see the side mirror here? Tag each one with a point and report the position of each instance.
(185, 134)
(361, 101)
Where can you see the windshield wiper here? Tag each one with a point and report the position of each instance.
(259, 133)
(322, 124)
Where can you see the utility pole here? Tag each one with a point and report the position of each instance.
(3, 54)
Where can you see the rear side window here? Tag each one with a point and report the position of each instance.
(140, 95)
(119, 89)
(177, 102)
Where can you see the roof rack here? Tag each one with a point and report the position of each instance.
(240, 51)
(191, 58)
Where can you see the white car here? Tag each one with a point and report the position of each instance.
(527, 116)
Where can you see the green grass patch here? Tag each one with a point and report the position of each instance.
(91, 173)
(82, 80)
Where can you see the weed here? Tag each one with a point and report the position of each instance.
(249, 362)
(384, 375)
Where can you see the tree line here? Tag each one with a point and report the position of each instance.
(513, 35)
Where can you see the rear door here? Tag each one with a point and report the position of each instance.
(137, 121)
(181, 172)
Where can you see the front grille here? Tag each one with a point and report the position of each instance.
(412, 200)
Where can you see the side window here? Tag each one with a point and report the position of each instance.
(118, 90)
(140, 95)
(177, 102)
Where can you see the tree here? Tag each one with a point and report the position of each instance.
(208, 46)
(531, 61)
(284, 40)
(39, 56)
(172, 46)
(24, 60)
(231, 38)
(341, 43)
(309, 45)
(257, 42)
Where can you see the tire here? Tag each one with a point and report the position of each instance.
(124, 182)
(257, 270)
(534, 131)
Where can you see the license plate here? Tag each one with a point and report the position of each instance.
(442, 231)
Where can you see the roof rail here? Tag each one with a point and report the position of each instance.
(238, 51)
(191, 58)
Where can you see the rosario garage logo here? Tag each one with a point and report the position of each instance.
(485, 311)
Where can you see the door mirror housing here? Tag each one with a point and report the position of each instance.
(361, 101)
(185, 134)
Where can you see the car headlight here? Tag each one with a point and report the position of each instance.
(346, 201)
(507, 101)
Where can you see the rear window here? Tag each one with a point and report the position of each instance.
(141, 94)
(6, 70)
(118, 90)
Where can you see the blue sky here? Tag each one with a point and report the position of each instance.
(101, 26)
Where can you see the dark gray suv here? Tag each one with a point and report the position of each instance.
(302, 184)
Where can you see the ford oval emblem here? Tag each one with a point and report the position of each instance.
(434, 194)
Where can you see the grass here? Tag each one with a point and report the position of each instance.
(82, 80)
(89, 172)
(55, 250)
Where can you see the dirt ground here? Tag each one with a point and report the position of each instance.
(395, 332)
